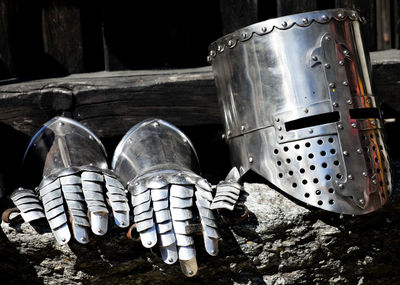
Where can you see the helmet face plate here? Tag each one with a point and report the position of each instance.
(299, 109)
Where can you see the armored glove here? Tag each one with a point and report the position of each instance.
(75, 182)
(158, 164)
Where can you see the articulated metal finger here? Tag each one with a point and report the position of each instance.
(28, 204)
(118, 201)
(92, 187)
(181, 191)
(53, 204)
(169, 254)
(226, 195)
(149, 237)
(210, 233)
(156, 182)
(140, 198)
(204, 193)
(73, 195)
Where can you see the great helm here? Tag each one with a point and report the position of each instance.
(299, 110)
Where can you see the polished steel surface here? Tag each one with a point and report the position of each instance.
(272, 74)
(158, 164)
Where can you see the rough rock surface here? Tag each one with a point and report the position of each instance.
(281, 242)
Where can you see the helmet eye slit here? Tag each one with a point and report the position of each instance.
(311, 121)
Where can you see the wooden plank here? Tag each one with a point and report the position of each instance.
(6, 63)
(111, 102)
(62, 35)
(238, 14)
(287, 7)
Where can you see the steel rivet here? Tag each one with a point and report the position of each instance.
(242, 128)
(213, 53)
(349, 102)
(340, 15)
(156, 124)
(374, 181)
(314, 58)
(170, 259)
(341, 186)
(334, 104)
(251, 159)
(61, 123)
(149, 243)
(346, 52)
(340, 126)
(209, 58)
(306, 110)
(327, 65)
(281, 137)
(136, 183)
(230, 43)
(99, 231)
(327, 38)
(190, 272)
(354, 15)
(220, 49)
(277, 119)
(35, 145)
(372, 122)
(264, 29)
(223, 136)
(122, 223)
(332, 85)
(83, 239)
(305, 20)
(284, 24)
(359, 150)
(185, 140)
(361, 201)
(63, 239)
(364, 173)
(350, 177)
(213, 251)
(345, 83)
(279, 128)
(229, 133)
(325, 17)
(244, 35)
(341, 62)
(346, 153)
(158, 176)
(354, 125)
(310, 131)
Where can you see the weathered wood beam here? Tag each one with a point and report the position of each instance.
(111, 102)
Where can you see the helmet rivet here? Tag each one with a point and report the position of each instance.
(190, 272)
(149, 243)
(332, 85)
(350, 177)
(340, 126)
(305, 20)
(354, 125)
(341, 62)
(136, 183)
(334, 104)
(346, 52)
(156, 124)
(361, 201)
(223, 136)
(230, 43)
(345, 83)
(284, 24)
(220, 49)
(372, 122)
(354, 15)
(229, 133)
(364, 173)
(310, 131)
(277, 119)
(83, 239)
(341, 186)
(279, 128)
(244, 35)
(213, 53)
(349, 102)
(61, 124)
(242, 128)
(251, 160)
(314, 58)
(122, 223)
(325, 17)
(281, 137)
(359, 150)
(264, 29)
(374, 181)
(327, 65)
(306, 110)
(346, 153)
(327, 38)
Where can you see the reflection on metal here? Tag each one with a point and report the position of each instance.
(71, 161)
(157, 162)
(284, 70)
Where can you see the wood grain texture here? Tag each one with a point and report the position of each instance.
(111, 102)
